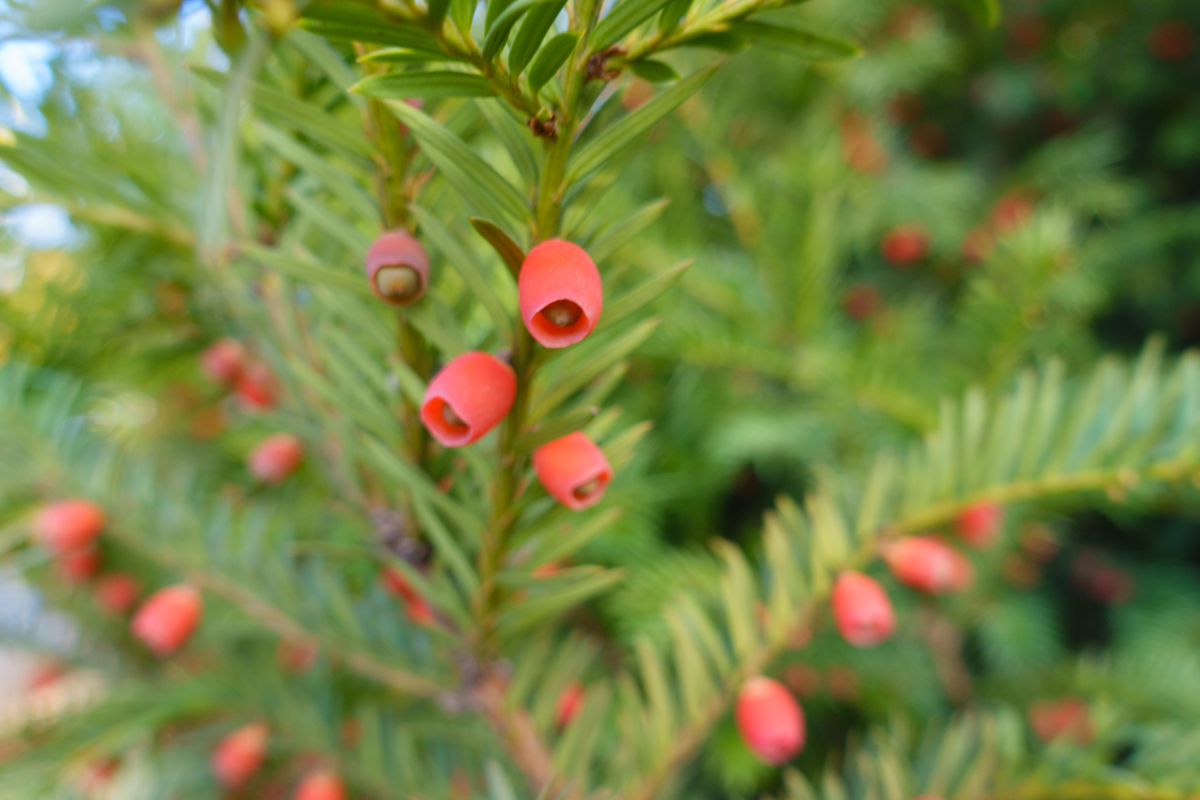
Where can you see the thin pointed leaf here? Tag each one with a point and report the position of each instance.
(552, 56)
(508, 250)
(430, 83)
(533, 30)
(598, 152)
(473, 177)
(621, 19)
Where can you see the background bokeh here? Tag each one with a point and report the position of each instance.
(869, 237)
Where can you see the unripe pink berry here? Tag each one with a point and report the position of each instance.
(239, 755)
(78, 565)
(68, 524)
(569, 701)
(168, 618)
(560, 293)
(905, 245)
(397, 268)
(770, 720)
(224, 360)
(116, 593)
(415, 606)
(861, 610)
(573, 470)
(320, 785)
(929, 565)
(468, 398)
(979, 523)
(275, 458)
(256, 387)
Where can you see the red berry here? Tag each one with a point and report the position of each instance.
(256, 387)
(1172, 40)
(76, 566)
(928, 139)
(861, 610)
(468, 398)
(320, 785)
(116, 593)
(569, 701)
(296, 657)
(224, 360)
(929, 565)
(860, 149)
(415, 606)
(1011, 212)
(977, 245)
(1064, 717)
(560, 293)
(397, 268)
(68, 524)
(770, 720)
(861, 301)
(168, 618)
(573, 470)
(1112, 586)
(47, 673)
(905, 245)
(275, 458)
(239, 755)
(979, 523)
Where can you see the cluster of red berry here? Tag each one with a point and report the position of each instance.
(165, 621)
(229, 363)
(241, 754)
(769, 718)
(560, 296)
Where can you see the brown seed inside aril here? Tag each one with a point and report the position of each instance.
(398, 283)
(563, 313)
(585, 490)
(452, 418)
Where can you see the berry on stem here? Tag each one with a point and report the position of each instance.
(573, 470)
(117, 592)
(1067, 716)
(78, 565)
(256, 387)
(275, 458)
(224, 360)
(68, 524)
(168, 618)
(239, 755)
(770, 720)
(415, 606)
(861, 610)
(905, 245)
(569, 701)
(468, 398)
(928, 565)
(979, 523)
(397, 268)
(560, 293)
(320, 785)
